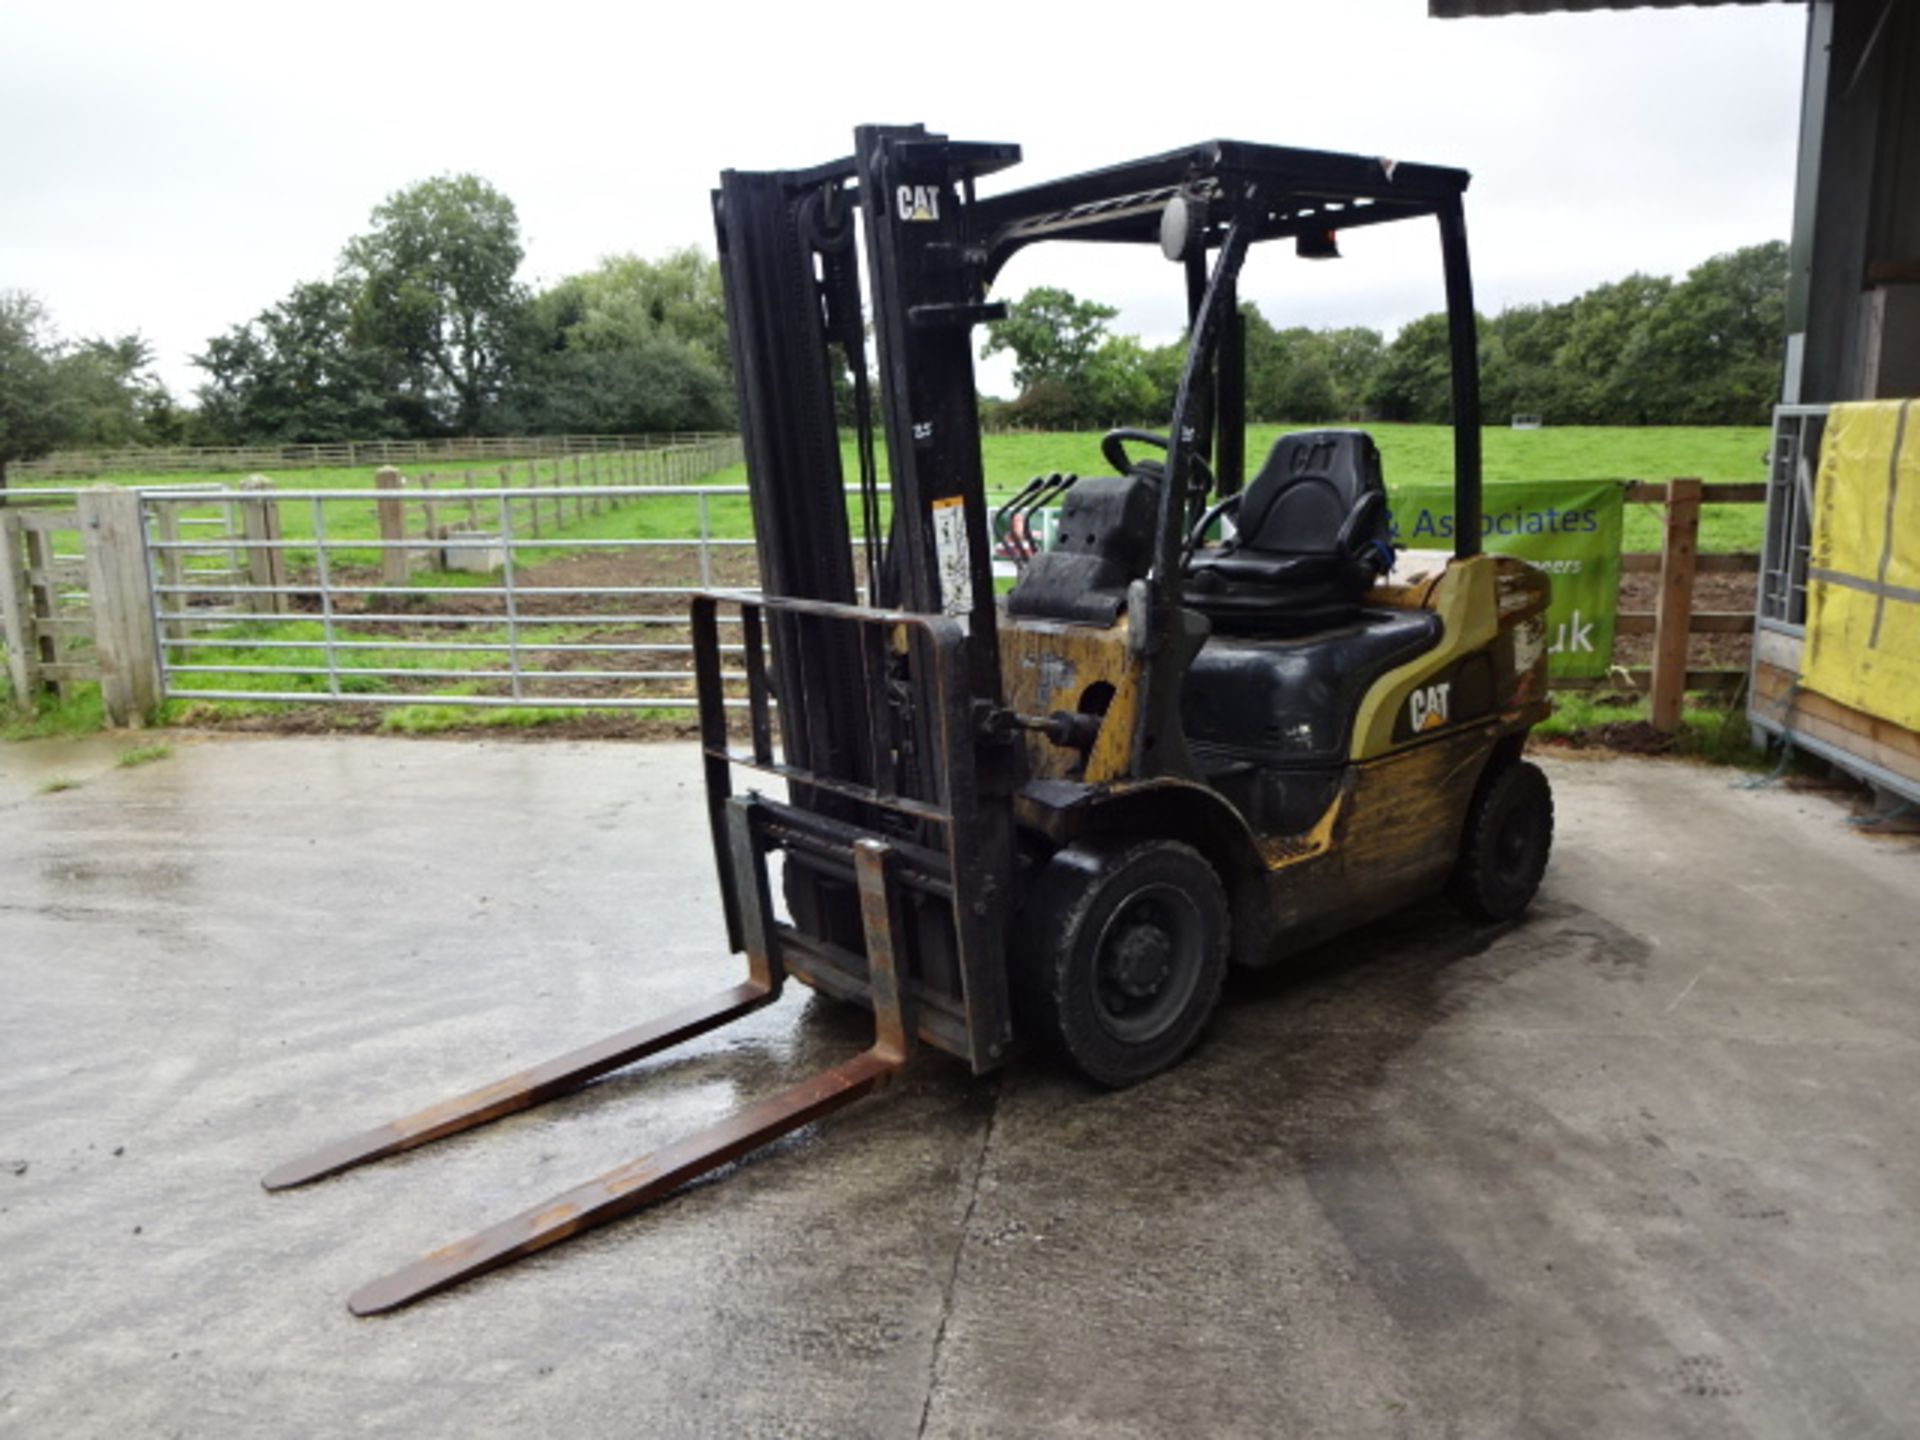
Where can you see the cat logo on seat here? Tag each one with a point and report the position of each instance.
(1427, 706)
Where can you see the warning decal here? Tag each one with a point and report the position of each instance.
(952, 555)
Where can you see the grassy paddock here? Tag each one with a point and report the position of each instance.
(347, 521)
(1412, 454)
(1423, 454)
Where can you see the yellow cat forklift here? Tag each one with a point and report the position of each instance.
(1211, 723)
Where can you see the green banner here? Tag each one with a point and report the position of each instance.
(1569, 528)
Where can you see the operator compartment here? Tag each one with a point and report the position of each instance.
(1268, 704)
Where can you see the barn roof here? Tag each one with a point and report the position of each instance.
(1455, 9)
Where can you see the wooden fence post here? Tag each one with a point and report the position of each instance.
(393, 528)
(266, 562)
(16, 615)
(1673, 613)
(533, 492)
(437, 556)
(122, 596)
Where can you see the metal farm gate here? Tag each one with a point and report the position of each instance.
(364, 597)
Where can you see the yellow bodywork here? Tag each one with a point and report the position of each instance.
(1048, 665)
(1484, 601)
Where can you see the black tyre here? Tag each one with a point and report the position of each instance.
(1124, 952)
(1509, 835)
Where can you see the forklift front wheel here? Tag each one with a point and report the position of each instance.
(1509, 833)
(1126, 953)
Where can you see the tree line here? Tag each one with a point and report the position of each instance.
(425, 329)
(1646, 350)
(100, 391)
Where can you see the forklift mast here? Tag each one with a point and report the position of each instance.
(787, 252)
(868, 739)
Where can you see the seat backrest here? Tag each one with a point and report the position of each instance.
(1310, 484)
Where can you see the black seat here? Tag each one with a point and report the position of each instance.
(1311, 539)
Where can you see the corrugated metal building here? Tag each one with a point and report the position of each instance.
(1853, 307)
(1454, 9)
(1837, 636)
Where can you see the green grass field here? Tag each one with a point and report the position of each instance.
(1423, 454)
(347, 521)
(1412, 454)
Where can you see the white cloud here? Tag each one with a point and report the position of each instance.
(176, 168)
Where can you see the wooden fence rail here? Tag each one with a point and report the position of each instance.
(350, 454)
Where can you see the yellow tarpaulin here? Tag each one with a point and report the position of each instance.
(1863, 576)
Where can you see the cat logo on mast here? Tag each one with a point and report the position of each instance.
(919, 202)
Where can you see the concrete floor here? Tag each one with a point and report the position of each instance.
(1644, 1166)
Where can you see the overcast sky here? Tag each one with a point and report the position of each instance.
(175, 168)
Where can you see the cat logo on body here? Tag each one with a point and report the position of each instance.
(1427, 706)
(919, 202)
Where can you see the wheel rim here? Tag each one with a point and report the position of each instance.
(1147, 962)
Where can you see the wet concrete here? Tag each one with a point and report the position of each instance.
(1644, 1165)
(49, 767)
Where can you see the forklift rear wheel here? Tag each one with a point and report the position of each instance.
(1127, 950)
(1509, 833)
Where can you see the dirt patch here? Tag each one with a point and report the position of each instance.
(636, 725)
(671, 573)
(730, 568)
(1623, 737)
(1712, 594)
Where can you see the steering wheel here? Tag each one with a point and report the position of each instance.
(1113, 445)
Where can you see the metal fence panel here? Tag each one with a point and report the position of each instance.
(1792, 463)
(571, 618)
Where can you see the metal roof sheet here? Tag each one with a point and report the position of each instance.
(1457, 9)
